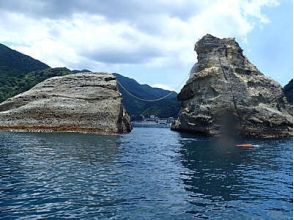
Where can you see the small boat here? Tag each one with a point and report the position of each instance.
(244, 145)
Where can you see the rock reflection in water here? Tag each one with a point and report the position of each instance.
(225, 180)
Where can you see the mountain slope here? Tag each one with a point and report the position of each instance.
(13, 68)
(168, 107)
(11, 86)
(19, 72)
(14, 63)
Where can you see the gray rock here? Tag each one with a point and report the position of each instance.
(288, 91)
(82, 102)
(228, 94)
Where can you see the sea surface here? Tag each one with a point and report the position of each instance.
(151, 173)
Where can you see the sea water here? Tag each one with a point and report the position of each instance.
(151, 173)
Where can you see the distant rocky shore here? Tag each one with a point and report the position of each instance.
(226, 94)
(82, 102)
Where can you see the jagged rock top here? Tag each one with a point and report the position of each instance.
(223, 82)
(209, 43)
(211, 51)
(84, 102)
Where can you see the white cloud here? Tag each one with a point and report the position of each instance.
(253, 8)
(106, 35)
(162, 86)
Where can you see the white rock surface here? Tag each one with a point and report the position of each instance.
(83, 102)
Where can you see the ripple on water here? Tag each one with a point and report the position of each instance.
(151, 173)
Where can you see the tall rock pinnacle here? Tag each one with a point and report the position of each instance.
(226, 93)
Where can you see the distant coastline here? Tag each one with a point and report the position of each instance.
(154, 122)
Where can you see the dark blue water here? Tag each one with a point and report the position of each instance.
(151, 173)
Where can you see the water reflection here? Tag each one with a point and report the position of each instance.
(230, 178)
(151, 173)
(213, 169)
(86, 148)
(59, 175)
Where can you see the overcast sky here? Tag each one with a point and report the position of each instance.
(150, 41)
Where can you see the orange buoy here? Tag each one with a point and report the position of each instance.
(244, 145)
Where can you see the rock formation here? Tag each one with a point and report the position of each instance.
(82, 102)
(226, 93)
(288, 91)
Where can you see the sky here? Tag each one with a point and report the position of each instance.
(150, 41)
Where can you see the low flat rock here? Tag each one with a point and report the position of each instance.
(82, 102)
(228, 94)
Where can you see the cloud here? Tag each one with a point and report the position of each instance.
(112, 9)
(111, 34)
(162, 86)
(120, 56)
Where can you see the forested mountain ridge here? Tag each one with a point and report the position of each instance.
(14, 63)
(168, 107)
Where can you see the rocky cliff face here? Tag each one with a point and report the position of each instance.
(227, 94)
(83, 102)
(288, 91)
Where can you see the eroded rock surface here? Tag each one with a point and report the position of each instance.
(288, 91)
(227, 93)
(83, 102)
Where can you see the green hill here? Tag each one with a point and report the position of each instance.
(11, 86)
(13, 68)
(168, 107)
(14, 63)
